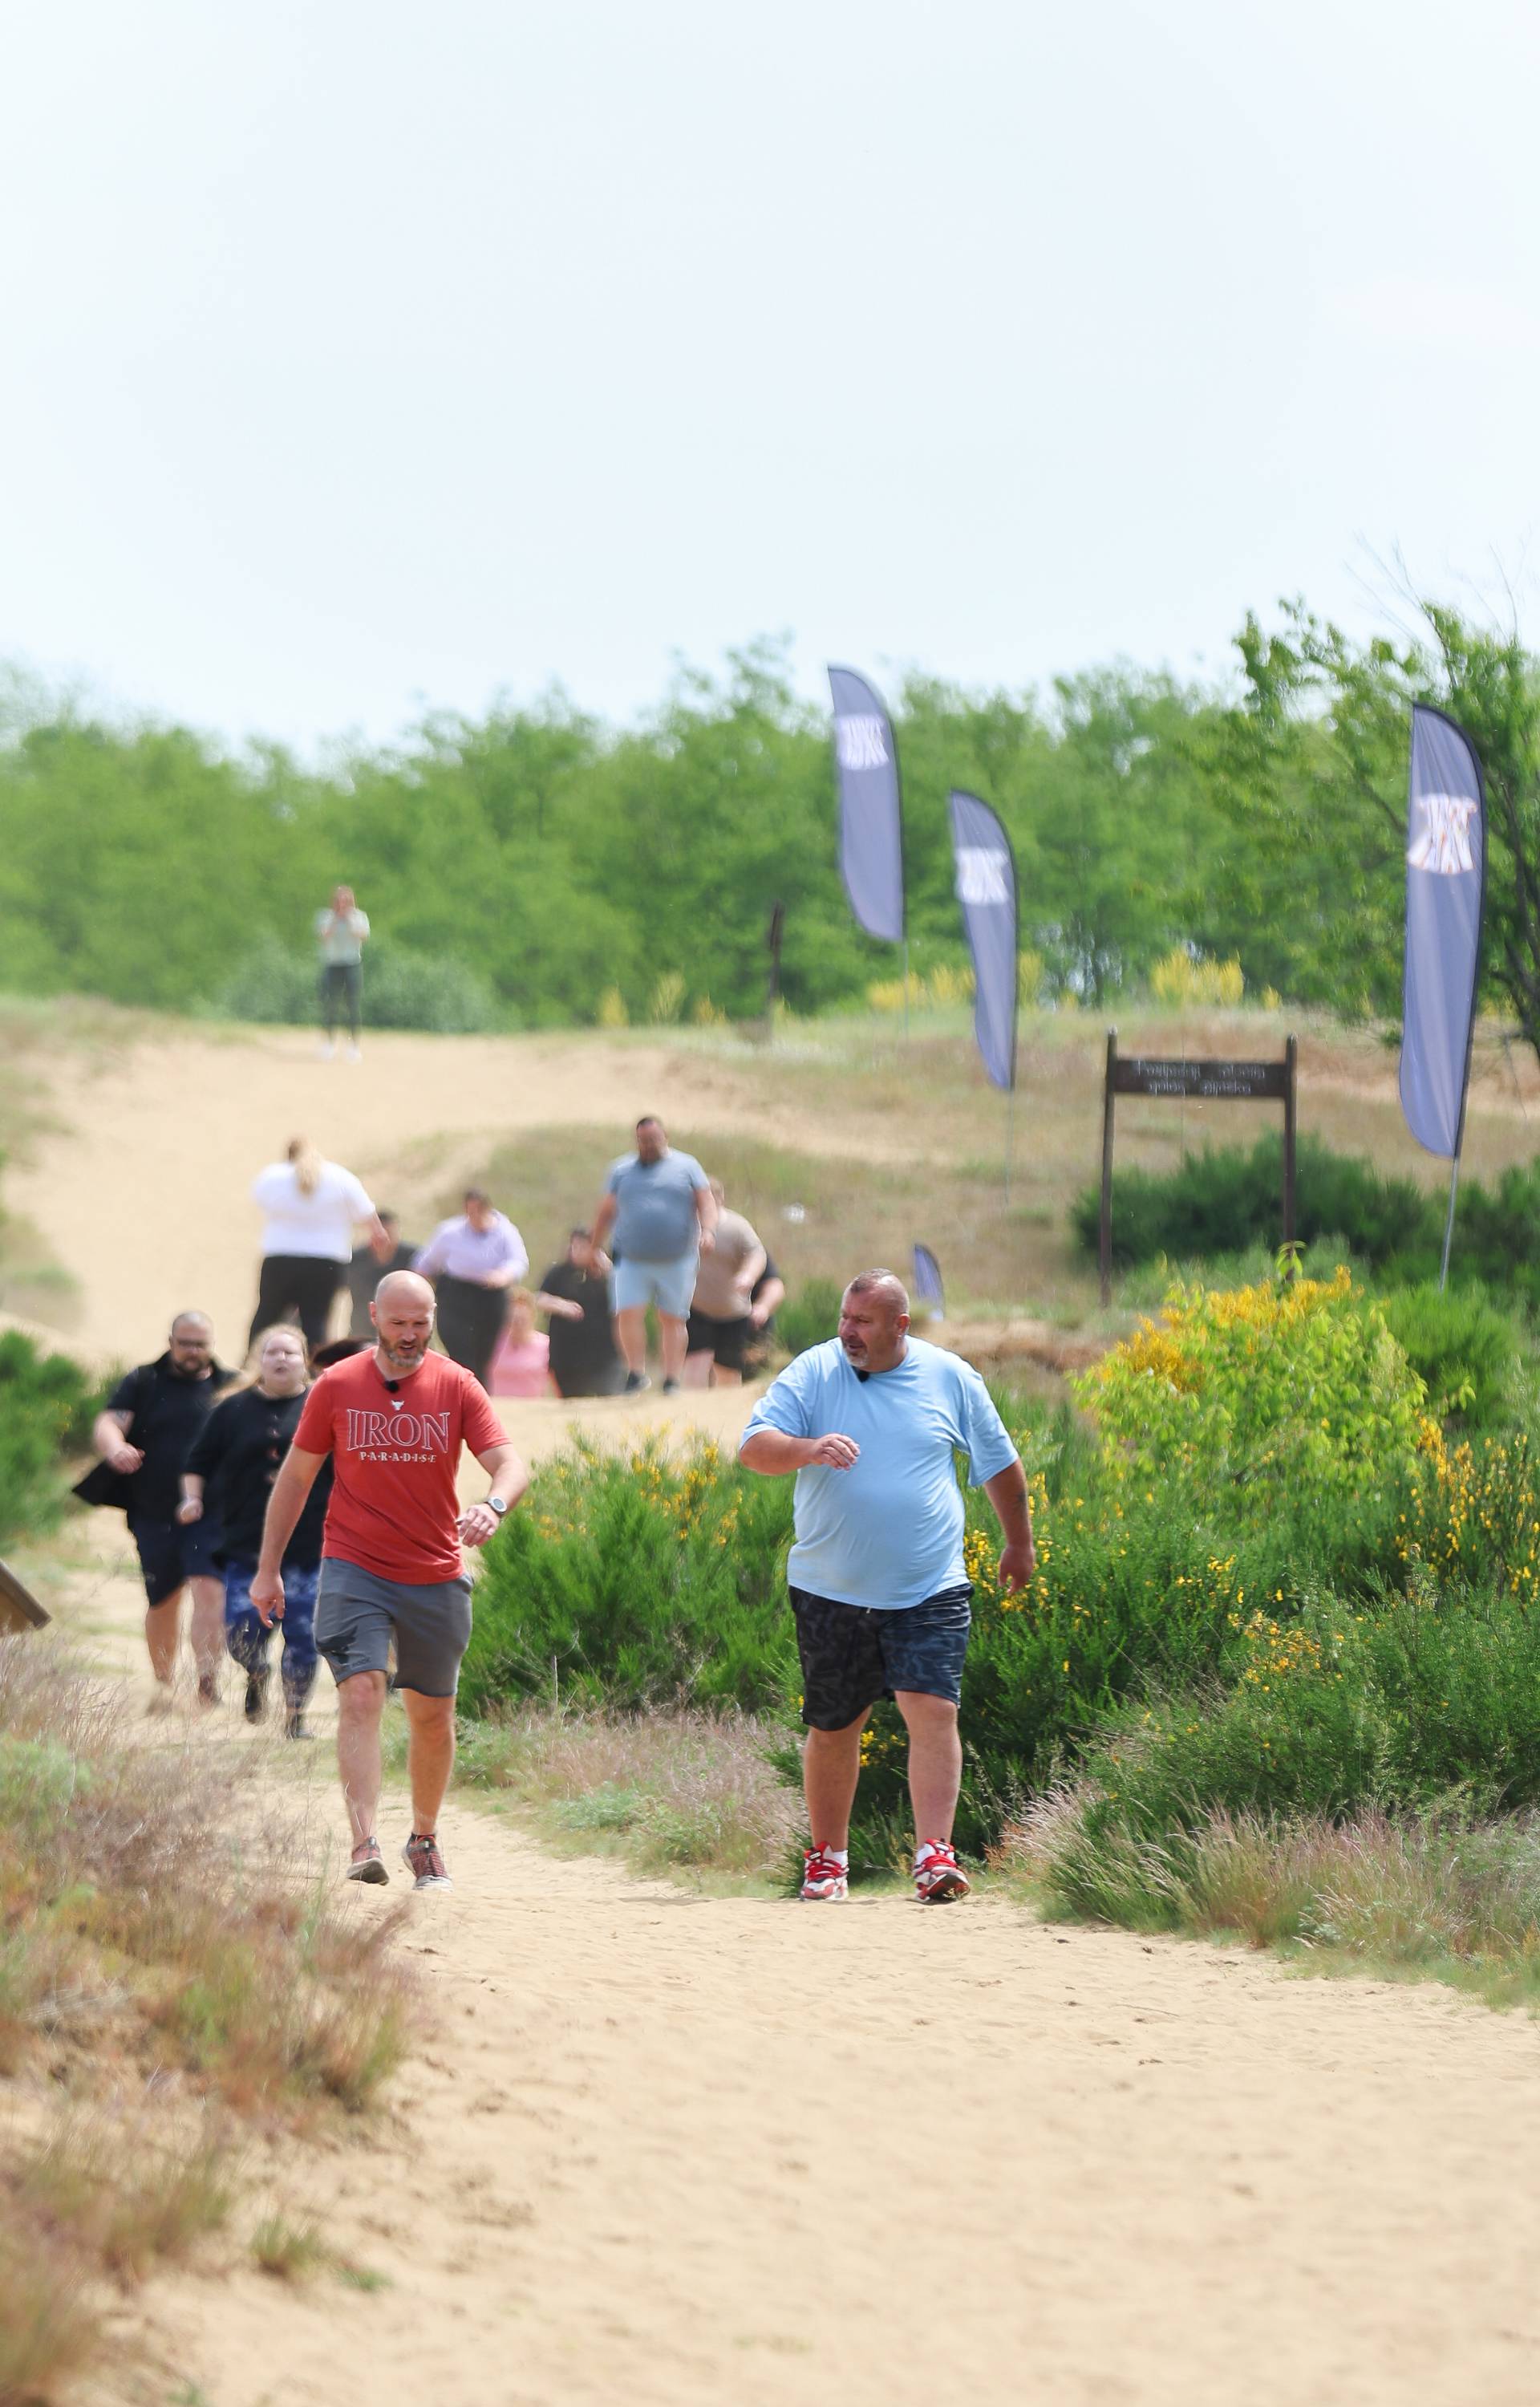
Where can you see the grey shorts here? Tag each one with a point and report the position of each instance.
(358, 1614)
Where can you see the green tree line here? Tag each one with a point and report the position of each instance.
(520, 867)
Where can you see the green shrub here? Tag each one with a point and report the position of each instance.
(279, 985)
(47, 1406)
(1397, 1704)
(637, 1581)
(809, 1315)
(1225, 1199)
(1466, 1351)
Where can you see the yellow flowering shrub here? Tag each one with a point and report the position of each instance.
(1292, 1384)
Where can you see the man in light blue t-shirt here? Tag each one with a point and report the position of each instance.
(872, 1423)
(661, 1208)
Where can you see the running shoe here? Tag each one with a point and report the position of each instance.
(636, 1381)
(671, 1387)
(163, 1698)
(423, 1860)
(208, 1688)
(294, 1727)
(256, 1693)
(368, 1867)
(824, 1878)
(938, 1877)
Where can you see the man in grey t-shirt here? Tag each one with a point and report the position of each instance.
(660, 1207)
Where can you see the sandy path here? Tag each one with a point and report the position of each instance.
(663, 2148)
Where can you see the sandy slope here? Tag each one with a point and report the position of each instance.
(158, 1143)
(660, 2147)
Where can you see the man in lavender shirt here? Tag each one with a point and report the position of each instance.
(473, 1261)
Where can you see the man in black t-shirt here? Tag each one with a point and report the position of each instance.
(576, 1294)
(145, 1436)
(370, 1264)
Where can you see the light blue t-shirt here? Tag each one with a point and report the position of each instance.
(656, 1218)
(889, 1531)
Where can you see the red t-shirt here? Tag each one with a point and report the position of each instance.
(394, 1459)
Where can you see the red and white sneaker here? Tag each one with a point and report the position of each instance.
(824, 1878)
(938, 1877)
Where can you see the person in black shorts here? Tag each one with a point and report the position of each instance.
(144, 1437)
(576, 1294)
(726, 1321)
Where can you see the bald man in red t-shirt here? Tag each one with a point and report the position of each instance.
(393, 1421)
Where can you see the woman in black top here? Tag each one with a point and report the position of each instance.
(576, 1294)
(231, 1467)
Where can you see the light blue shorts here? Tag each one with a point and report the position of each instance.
(669, 1285)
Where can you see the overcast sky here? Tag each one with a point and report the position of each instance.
(364, 355)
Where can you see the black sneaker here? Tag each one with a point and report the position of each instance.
(671, 1387)
(635, 1382)
(256, 1693)
(294, 1727)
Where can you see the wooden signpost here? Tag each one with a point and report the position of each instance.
(19, 1607)
(1224, 1082)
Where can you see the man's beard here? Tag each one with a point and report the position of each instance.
(409, 1361)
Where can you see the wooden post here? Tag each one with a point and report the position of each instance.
(1291, 1062)
(1104, 1241)
(777, 930)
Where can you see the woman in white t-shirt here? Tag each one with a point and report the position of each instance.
(312, 1208)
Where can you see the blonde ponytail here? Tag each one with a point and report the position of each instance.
(307, 1164)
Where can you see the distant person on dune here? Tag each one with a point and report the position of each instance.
(371, 1262)
(152, 1418)
(312, 1207)
(342, 932)
(660, 1205)
(722, 1322)
(394, 1421)
(576, 1294)
(871, 1424)
(229, 1472)
(472, 1260)
(522, 1364)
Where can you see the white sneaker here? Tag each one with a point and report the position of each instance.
(325, 1049)
(824, 1878)
(353, 1053)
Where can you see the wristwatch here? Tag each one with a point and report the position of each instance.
(497, 1505)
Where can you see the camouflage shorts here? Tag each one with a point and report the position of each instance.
(852, 1653)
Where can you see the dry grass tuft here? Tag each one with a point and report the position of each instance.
(165, 1968)
(675, 1792)
(1442, 1898)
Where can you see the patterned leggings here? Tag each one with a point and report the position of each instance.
(247, 1639)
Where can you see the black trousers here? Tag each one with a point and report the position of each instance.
(471, 1320)
(342, 985)
(297, 1287)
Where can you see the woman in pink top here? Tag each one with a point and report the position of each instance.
(522, 1364)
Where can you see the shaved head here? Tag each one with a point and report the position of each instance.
(403, 1287)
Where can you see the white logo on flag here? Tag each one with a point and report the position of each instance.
(982, 874)
(859, 743)
(1445, 844)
